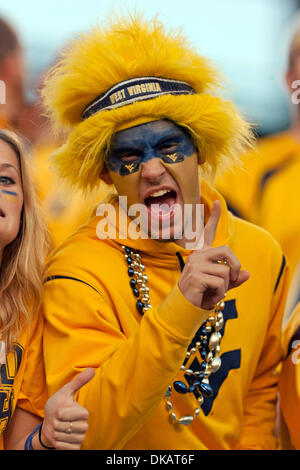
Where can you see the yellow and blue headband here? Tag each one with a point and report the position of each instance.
(136, 89)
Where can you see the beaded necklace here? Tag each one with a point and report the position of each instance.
(206, 342)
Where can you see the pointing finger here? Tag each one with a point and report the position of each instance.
(212, 224)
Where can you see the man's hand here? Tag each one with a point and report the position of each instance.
(65, 422)
(204, 281)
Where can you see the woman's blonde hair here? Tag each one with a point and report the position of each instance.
(23, 260)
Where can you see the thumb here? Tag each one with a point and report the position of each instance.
(83, 378)
(243, 277)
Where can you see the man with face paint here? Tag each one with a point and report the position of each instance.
(185, 344)
(156, 164)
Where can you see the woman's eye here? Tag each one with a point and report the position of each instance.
(6, 180)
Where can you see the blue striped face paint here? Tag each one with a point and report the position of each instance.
(10, 196)
(134, 146)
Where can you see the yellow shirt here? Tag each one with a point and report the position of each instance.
(22, 380)
(91, 320)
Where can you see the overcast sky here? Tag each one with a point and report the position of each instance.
(244, 38)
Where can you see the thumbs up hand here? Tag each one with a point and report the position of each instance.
(65, 422)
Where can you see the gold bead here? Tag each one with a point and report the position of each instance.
(215, 364)
(214, 340)
(200, 400)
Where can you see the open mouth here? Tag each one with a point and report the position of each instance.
(160, 203)
(2, 213)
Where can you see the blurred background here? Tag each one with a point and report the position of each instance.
(246, 39)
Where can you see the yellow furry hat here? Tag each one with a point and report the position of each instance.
(130, 48)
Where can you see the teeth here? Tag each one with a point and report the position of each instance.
(160, 193)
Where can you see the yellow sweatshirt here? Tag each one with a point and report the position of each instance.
(92, 321)
(22, 380)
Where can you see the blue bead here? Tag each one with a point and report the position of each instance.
(127, 250)
(203, 330)
(180, 387)
(206, 389)
(129, 260)
(192, 388)
(140, 306)
(203, 366)
(130, 272)
(203, 354)
(132, 283)
(136, 292)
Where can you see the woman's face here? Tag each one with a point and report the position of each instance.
(11, 195)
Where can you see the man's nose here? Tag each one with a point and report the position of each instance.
(152, 169)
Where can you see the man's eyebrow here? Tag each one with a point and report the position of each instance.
(119, 149)
(167, 138)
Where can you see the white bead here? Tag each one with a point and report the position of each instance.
(186, 420)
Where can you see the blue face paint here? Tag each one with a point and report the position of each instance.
(157, 139)
(10, 193)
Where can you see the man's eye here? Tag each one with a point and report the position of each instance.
(167, 148)
(129, 158)
(6, 180)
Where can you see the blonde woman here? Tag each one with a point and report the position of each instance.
(23, 248)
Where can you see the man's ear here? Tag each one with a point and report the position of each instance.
(200, 157)
(105, 176)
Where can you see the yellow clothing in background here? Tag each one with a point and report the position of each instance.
(63, 208)
(92, 321)
(289, 383)
(266, 191)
